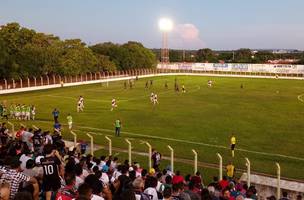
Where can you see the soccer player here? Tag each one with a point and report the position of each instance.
(114, 105)
(51, 165)
(33, 112)
(147, 83)
(18, 112)
(209, 83)
(70, 121)
(183, 89)
(152, 97)
(155, 100)
(166, 85)
(27, 112)
(80, 104)
(232, 144)
(23, 110)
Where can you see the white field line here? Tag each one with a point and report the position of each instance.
(190, 142)
(300, 97)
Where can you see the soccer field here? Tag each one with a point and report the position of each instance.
(266, 116)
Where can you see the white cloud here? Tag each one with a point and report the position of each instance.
(185, 36)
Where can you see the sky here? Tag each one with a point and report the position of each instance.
(215, 24)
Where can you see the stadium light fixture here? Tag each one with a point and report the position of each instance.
(165, 24)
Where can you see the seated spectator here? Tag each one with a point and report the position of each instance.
(68, 192)
(84, 192)
(4, 191)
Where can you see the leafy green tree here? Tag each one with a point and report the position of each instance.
(205, 55)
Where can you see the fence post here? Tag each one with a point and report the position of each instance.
(28, 82)
(13, 83)
(21, 84)
(76, 78)
(48, 80)
(172, 157)
(91, 76)
(75, 138)
(92, 143)
(41, 80)
(149, 154)
(35, 127)
(279, 180)
(95, 76)
(248, 171)
(65, 79)
(80, 77)
(129, 150)
(5, 84)
(35, 81)
(86, 77)
(110, 145)
(13, 129)
(195, 160)
(220, 166)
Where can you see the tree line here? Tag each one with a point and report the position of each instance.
(238, 56)
(26, 53)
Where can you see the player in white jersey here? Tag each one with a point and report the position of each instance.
(152, 97)
(183, 89)
(33, 112)
(209, 83)
(80, 104)
(155, 100)
(114, 105)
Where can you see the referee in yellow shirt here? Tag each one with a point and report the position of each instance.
(232, 144)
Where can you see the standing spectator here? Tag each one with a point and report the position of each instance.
(285, 196)
(27, 137)
(224, 183)
(55, 114)
(3, 134)
(230, 170)
(51, 167)
(150, 187)
(177, 178)
(83, 147)
(156, 157)
(57, 128)
(14, 178)
(117, 125)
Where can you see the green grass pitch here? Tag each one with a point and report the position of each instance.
(265, 115)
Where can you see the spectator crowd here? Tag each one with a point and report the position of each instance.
(37, 165)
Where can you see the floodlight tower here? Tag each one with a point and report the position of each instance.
(165, 26)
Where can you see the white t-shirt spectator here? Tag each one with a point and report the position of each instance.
(79, 181)
(96, 197)
(151, 192)
(23, 159)
(26, 136)
(104, 178)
